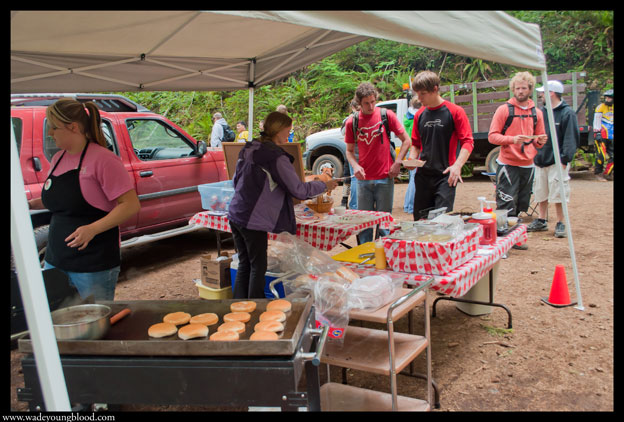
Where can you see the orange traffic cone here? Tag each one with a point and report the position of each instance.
(559, 294)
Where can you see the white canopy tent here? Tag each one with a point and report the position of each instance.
(94, 51)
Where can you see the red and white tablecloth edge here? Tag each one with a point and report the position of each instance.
(460, 280)
(321, 234)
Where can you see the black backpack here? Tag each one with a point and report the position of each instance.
(511, 116)
(228, 133)
(386, 125)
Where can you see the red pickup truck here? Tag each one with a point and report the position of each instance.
(164, 161)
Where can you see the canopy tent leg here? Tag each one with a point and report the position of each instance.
(555, 142)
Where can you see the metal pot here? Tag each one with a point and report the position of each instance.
(81, 322)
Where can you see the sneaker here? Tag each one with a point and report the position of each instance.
(345, 200)
(522, 247)
(560, 230)
(538, 225)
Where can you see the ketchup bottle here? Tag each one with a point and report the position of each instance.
(489, 227)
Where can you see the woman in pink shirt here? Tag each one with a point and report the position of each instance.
(89, 193)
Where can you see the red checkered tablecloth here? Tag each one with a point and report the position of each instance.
(321, 234)
(458, 281)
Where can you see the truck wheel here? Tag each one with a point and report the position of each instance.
(330, 159)
(490, 163)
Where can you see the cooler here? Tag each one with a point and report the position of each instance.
(269, 277)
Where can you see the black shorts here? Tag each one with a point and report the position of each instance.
(432, 191)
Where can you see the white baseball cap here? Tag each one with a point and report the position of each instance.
(553, 86)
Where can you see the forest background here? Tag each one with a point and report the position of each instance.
(318, 96)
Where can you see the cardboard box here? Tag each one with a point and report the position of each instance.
(215, 273)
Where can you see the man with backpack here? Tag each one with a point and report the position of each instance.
(375, 167)
(518, 127)
(221, 131)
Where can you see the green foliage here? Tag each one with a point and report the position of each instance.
(318, 97)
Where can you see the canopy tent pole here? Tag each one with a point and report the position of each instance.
(33, 293)
(564, 204)
(252, 78)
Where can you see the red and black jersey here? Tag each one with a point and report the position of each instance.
(440, 133)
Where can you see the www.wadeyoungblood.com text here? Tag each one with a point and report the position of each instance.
(51, 417)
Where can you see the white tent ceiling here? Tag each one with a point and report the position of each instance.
(89, 51)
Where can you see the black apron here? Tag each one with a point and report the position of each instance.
(63, 197)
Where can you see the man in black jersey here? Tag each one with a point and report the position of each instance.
(442, 137)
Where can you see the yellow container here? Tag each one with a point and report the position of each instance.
(380, 256)
(208, 293)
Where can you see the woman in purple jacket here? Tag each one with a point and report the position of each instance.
(265, 182)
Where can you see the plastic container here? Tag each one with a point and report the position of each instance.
(480, 292)
(216, 196)
(206, 292)
(489, 227)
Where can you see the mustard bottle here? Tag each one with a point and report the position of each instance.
(380, 256)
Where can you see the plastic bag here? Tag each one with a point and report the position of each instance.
(443, 228)
(371, 293)
(299, 256)
(331, 303)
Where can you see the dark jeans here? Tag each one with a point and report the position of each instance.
(251, 246)
(432, 191)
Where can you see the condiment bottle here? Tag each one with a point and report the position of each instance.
(489, 209)
(489, 227)
(487, 222)
(380, 256)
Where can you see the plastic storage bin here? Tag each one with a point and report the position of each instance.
(206, 292)
(216, 196)
(269, 277)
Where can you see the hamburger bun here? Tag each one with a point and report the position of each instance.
(278, 316)
(243, 306)
(162, 329)
(279, 305)
(207, 319)
(235, 326)
(177, 318)
(224, 336)
(263, 336)
(347, 274)
(193, 331)
(274, 326)
(237, 316)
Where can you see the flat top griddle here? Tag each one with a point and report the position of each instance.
(129, 337)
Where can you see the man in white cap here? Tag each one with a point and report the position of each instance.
(547, 188)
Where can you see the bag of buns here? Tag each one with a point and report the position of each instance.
(299, 256)
(372, 292)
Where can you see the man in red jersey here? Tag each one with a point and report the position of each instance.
(375, 166)
(442, 137)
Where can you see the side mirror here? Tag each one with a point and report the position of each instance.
(201, 148)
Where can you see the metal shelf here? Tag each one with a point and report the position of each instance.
(381, 352)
